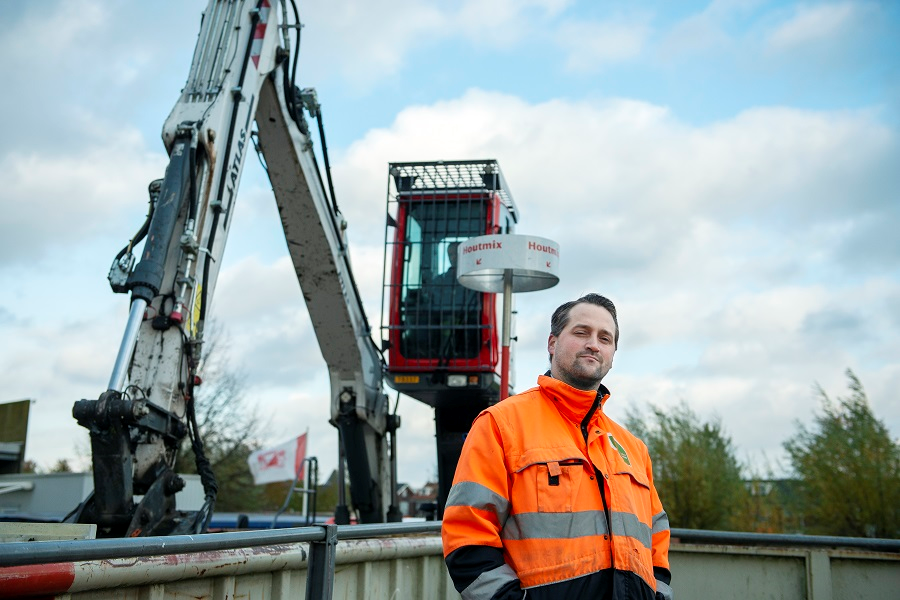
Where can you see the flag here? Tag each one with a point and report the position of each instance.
(279, 463)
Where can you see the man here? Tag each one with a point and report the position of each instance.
(551, 498)
(445, 292)
(455, 310)
(448, 277)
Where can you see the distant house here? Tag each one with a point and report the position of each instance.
(420, 502)
(413, 502)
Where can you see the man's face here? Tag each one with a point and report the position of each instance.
(451, 254)
(583, 352)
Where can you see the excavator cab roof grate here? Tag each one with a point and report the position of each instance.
(450, 175)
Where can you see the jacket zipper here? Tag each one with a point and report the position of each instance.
(599, 475)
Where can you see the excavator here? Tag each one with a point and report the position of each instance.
(439, 337)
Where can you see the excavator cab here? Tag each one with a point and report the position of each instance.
(442, 339)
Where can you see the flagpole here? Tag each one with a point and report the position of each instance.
(306, 482)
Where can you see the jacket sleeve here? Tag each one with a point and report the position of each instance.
(660, 542)
(476, 510)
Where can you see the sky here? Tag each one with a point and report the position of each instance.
(727, 172)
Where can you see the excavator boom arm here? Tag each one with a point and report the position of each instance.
(239, 73)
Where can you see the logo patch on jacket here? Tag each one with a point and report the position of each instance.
(619, 447)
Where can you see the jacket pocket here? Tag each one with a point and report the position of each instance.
(631, 494)
(555, 483)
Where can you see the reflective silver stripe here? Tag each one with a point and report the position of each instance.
(469, 493)
(627, 524)
(487, 584)
(665, 590)
(525, 526)
(660, 522)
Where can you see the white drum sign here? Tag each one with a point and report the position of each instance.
(533, 262)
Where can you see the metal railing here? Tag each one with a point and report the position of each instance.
(739, 538)
(321, 559)
(324, 540)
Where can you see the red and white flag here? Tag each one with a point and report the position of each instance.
(283, 462)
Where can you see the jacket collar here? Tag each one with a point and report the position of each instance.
(573, 403)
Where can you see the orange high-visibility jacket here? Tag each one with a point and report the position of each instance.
(550, 491)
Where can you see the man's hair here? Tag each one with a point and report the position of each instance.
(452, 256)
(560, 317)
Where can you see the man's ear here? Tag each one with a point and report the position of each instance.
(551, 345)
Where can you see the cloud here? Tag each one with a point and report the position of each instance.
(847, 44)
(868, 241)
(504, 22)
(809, 55)
(379, 38)
(693, 35)
(96, 65)
(657, 183)
(261, 307)
(57, 364)
(761, 194)
(376, 35)
(54, 199)
(72, 23)
(724, 244)
(816, 24)
(590, 46)
(72, 148)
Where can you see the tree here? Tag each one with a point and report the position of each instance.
(765, 508)
(694, 468)
(61, 466)
(848, 468)
(228, 428)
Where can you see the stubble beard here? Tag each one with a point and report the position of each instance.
(582, 377)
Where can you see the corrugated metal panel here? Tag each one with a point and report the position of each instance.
(402, 567)
(853, 577)
(726, 572)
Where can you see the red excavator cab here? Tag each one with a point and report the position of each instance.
(442, 339)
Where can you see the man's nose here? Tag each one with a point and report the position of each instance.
(593, 345)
